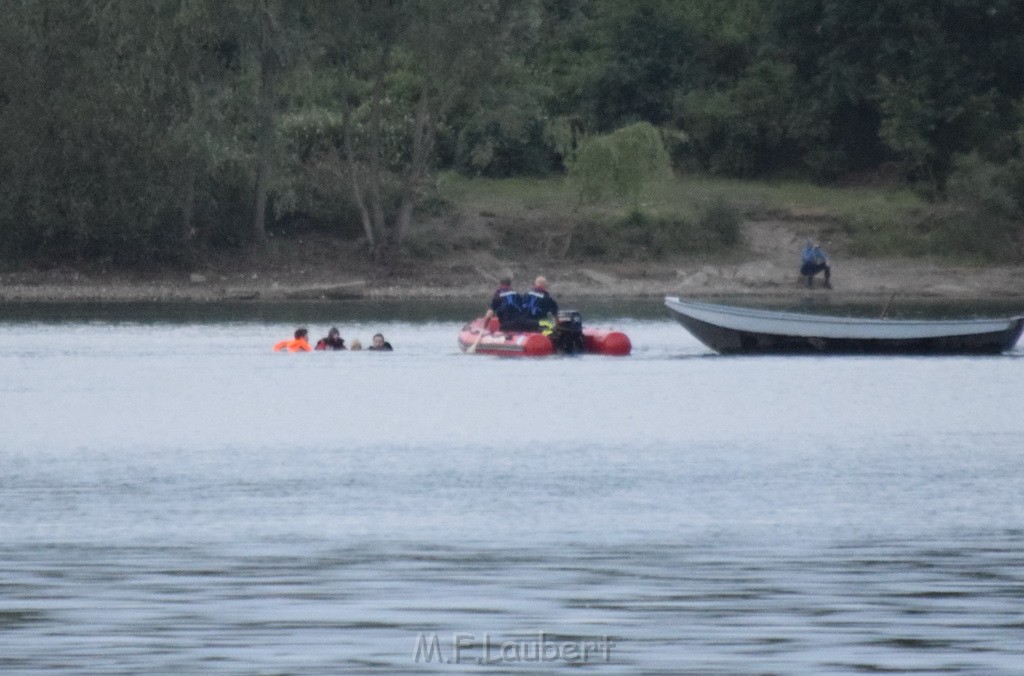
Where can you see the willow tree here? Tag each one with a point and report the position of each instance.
(620, 164)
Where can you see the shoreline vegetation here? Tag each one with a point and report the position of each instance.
(482, 229)
(271, 150)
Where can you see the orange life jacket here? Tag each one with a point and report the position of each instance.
(293, 345)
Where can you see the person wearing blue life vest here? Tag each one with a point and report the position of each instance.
(812, 261)
(540, 305)
(504, 303)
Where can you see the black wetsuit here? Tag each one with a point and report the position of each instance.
(328, 343)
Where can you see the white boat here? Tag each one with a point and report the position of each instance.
(735, 330)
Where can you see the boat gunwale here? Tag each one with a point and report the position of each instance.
(781, 323)
(803, 317)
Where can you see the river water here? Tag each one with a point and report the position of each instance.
(176, 497)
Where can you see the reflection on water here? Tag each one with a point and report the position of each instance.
(433, 310)
(175, 497)
(301, 312)
(870, 606)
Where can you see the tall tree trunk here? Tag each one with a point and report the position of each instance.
(259, 220)
(422, 138)
(264, 148)
(357, 188)
(376, 141)
(188, 209)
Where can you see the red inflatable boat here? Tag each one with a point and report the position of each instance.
(475, 338)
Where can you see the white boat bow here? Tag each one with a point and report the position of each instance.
(726, 328)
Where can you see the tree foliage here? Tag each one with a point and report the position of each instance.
(620, 164)
(141, 130)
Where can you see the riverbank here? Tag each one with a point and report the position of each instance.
(317, 267)
(476, 276)
(525, 227)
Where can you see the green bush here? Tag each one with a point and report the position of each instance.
(985, 218)
(639, 236)
(318, 206)
(499, 148)
(721, 221)
(438, 238)
(981, 219)
(870, 236)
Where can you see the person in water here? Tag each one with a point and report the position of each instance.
(357, 345)
(380, 345)
(812, 261)
(299, 343)
(333, 341)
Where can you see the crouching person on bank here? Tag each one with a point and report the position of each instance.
(812, 261)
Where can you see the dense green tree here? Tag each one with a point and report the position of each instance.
(909, 80)
(136, 130)
(402, 67)
(648, 51)
(118, 117)
(89, 167)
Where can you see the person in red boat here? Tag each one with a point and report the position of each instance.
(299, 343)
(505, 305)
(539, 303)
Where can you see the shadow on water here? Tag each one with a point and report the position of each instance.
(431, 310)
(297, 312)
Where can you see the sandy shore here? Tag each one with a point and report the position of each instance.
(852, 279)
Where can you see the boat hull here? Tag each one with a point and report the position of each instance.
(475, 339)
(730, 330)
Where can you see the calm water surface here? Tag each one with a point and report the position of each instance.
(176, 497)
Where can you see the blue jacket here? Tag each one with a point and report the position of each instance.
(540, 304)
(813, 255)
(505, 300)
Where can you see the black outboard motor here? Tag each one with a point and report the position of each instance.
(567, 336)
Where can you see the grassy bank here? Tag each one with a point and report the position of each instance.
(688, 235)
(682, 194)
(693, 214)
